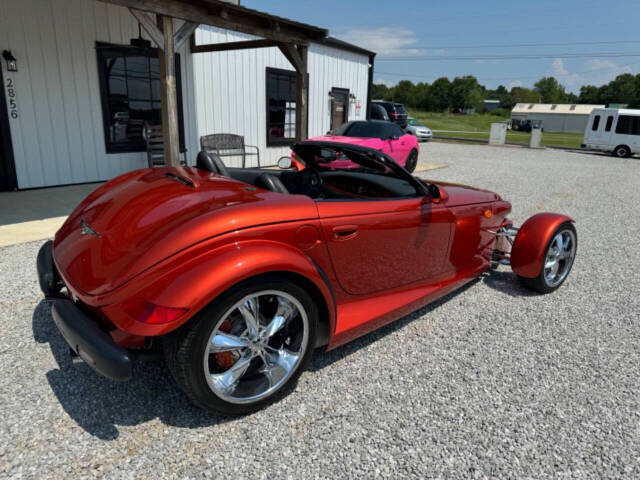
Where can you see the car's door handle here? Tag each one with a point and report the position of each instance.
(345, 232)
(402, 143)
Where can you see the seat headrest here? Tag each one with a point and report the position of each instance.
(211, 162)
(271, 182)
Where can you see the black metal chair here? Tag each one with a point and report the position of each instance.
(228, 145)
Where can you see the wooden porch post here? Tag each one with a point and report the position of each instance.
(167, 65)
(302, 84)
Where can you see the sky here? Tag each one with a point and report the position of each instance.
(421, 41)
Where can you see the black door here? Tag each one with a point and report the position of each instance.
(339, 107)
(8, 180)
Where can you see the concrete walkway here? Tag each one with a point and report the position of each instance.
(37, 214)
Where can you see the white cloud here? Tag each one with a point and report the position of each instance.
(388, 83)
(595, 72)
(572, 81)
(382, 40)
(558, 67)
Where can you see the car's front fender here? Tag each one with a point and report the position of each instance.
(527, 253)
(198, 281)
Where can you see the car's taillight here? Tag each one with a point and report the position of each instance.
(394, 115)
(147, 312)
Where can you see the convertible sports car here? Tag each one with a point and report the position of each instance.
(237, 275)
(387, 137)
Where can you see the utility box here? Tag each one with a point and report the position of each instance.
(536, 138)
(498, 134)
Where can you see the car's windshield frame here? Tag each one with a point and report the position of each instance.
(365, 160)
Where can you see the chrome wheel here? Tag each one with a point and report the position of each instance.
(256, 346)
(559, 258)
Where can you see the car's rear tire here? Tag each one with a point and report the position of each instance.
(558, 259)
(227, 363)
(412, 161)
(622, 151)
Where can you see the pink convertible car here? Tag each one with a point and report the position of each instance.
(385, 136)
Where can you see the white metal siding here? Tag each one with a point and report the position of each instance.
(58, 137)
(230, 89)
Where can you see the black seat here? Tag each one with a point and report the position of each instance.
(271, 182)
(211, 163)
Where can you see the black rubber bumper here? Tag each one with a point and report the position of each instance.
(47, 274)
(90, 342)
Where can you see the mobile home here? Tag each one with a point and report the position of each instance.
(613, 130)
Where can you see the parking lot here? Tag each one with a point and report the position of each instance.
(491, 381)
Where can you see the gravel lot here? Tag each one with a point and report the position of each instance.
(491, 381)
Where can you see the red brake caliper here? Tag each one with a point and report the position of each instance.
(225, 359)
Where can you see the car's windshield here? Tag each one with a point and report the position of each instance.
(415, 122)
(354, 169)
(400, 108)
(364, 129)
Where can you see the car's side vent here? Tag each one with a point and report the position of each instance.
(178, 178)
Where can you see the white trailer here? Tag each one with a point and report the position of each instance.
(613, 130)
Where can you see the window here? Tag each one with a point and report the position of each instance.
(628, 125)
(530, 106)
(553, 107)
(596, 122)
(381, 130)
(572, 107)
(130, 91)
(400, 108)
(607, 127)
(281, 106)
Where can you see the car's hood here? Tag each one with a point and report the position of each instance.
(143, 217)
(465, 195)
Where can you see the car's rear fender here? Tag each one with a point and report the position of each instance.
(199, 280)
(527, 253)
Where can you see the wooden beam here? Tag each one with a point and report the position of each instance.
(230, 17)
(184, 32)
(292, 54)
(147, 23)
(168, 93)
(225, 46)
(302, 93)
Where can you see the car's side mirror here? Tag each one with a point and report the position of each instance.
(435, 194)
(393, 137)
(285, 163)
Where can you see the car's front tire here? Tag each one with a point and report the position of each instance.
(559, 256)
(247, 348)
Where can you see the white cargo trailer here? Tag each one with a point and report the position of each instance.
(613, 130)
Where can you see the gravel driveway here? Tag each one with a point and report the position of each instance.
(491, 381)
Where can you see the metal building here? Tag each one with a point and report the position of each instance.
(74, 105)
(555, 117)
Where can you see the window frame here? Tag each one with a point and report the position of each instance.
(609, 123)
(132, 147)
(284, 141)
(633, 124)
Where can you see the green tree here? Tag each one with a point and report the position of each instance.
(524, 95)
(405, 92)
(378, 90)
(439, 98)
(466, 92)
(589, 94)
(550, 90)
